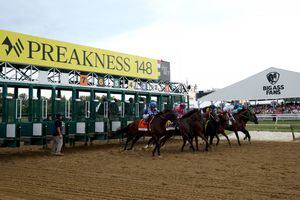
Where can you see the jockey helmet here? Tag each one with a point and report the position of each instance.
(182, 105)
(152, 105)
(213, 107)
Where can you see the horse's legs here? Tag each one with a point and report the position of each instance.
(137, 137)
(151, 141)
(127, 141)
(224, 134)
(237, 136)
(205, 140)
(218, 139)
(196, 141)
(201, 133)
(184, 141)
(211, 137)
(190, 139)
(157, 146)
(165, 138)
(247, 135)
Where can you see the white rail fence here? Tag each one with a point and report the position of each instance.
(276, 117)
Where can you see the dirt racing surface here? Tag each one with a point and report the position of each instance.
(261, 170)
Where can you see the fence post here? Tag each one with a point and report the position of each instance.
(293, 134)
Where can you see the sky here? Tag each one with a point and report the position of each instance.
(210, 43)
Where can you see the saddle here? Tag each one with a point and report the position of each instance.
(144, 125)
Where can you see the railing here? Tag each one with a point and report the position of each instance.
(285, 123)
(276, 117)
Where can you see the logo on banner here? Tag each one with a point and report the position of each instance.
(273, 77)
(273, 89)
(17, 47)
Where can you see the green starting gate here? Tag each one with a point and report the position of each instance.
(93, 103)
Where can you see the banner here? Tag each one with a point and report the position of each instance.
(26, 49)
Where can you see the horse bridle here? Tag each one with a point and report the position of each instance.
(210, 115)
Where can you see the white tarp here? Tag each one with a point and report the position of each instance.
(272, 83)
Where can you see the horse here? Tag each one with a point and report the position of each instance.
(216, 124)
(191, 126)
(166, 137)
(156, 129)
(239, 123)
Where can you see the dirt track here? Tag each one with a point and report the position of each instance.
(261, 170)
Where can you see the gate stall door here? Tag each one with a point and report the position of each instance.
(13, 109)
(166, 103)
(83, 113)
(63, 105)
(101, 114)
(115, 108)
(2, 124)
(47, 109)
(26, 125)
(130, 107)
(39, 111)
(142, 105)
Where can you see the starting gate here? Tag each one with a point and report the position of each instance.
(94, 104)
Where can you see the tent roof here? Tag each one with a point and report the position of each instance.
(272, 83)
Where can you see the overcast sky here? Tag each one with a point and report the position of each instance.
(211, 43)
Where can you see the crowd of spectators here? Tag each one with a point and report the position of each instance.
(282, 108)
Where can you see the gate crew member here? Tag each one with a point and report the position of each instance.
(57, 136)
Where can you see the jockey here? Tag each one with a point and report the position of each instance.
(150, 112)
(237, 107)
(210, 110)
(228, 109)
(213, 110)
(180, 110)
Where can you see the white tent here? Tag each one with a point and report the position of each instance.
(272, 83)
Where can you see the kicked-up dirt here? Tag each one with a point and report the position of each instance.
(261, 170)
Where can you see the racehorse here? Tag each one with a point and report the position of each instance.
(216, 124)
(191, 126)
(156, 129)
(239, 123)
